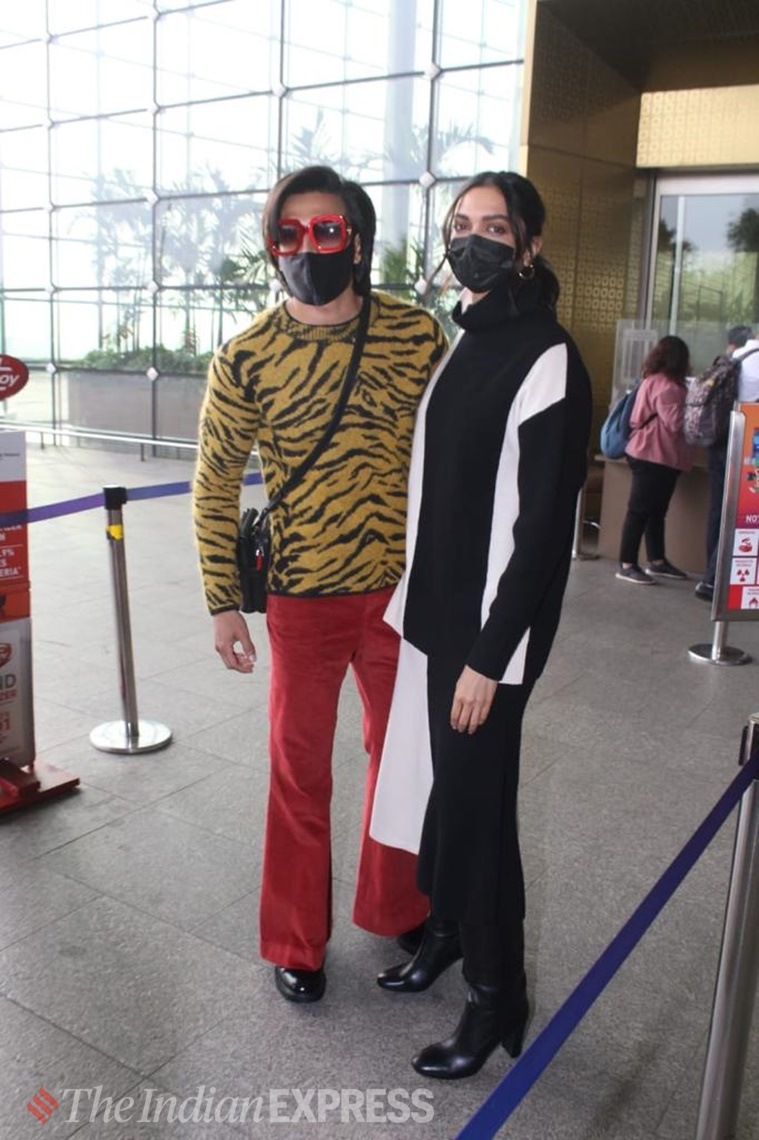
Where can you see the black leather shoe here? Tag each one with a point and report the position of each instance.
(705, 591)
(411, 940)
(439, 949)
(300, 985)
(483, 1025)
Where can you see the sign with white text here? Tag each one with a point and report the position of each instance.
(16, 707)
(13, 376)
(736, 594)
(14, 551)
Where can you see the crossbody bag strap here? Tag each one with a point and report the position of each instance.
(746, 355)
(651, 417)
(348, 384)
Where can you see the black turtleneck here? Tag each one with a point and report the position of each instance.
(505, 446)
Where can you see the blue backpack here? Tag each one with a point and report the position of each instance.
(615, 430)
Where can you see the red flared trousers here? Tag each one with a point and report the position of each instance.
(313, 641)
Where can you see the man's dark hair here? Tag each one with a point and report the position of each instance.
(357, 205)
(669, 355)
(739, 334)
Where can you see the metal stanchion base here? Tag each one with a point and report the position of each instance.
(727, 655)
(113, 737)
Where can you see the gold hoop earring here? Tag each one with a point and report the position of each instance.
(527, 272)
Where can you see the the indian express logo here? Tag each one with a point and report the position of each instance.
(275, 1106)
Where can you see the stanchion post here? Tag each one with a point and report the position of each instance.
(578, 554)
(735, 990)
(130, 734)
(115, 498)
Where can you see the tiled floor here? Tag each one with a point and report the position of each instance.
(128, 958)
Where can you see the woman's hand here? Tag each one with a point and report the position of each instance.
(471, 701)
(229, 631)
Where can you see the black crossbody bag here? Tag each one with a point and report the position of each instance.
(254, 539)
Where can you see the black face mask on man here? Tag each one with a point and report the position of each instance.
(480, 263)
(317, 278)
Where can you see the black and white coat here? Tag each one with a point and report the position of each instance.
(499, 456)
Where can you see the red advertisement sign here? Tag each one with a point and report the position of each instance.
(738, 574)
(13, 375)
(14, 552)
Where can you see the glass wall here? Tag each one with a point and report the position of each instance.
(705, 260)
(138, 140)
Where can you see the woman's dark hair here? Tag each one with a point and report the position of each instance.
(527, 216)
(357, 205)
(669, 355)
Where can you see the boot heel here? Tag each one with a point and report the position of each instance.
(513, 1038)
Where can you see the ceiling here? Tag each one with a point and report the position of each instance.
(636, 37)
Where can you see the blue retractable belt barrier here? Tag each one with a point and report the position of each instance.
(519, 1080)
(89, 502)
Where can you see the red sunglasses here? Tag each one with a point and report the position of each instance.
(329, 233)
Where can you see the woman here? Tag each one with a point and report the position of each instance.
(499, 458)
(657, 453)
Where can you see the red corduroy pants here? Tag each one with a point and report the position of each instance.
(313, 641)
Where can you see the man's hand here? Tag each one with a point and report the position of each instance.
(471, 701)
(230, 630)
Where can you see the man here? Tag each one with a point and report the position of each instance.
(337, 545)
(738, 343)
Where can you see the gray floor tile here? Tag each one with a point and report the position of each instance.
(55, 724)
(55, 822)
(35, 1054)
(681, 1117)
(209, 679)
(31, 896)
(236, 927)
(140, 778)
(184, 712)
(242, 738)
(160, 865)
(135, 988)
(357, 1038)
(230, 802)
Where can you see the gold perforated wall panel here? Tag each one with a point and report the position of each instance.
(581, 143)
(704, 126)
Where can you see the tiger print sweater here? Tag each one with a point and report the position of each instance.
(341, 530)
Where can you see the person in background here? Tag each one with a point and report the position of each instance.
(657, 453)
(500, 454)
(337, 545)
(739, 339)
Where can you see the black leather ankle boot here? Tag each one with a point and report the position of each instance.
(486, 1022)
(439, 949)
(496, 1009)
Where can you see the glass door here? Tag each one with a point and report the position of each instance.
(705, 260)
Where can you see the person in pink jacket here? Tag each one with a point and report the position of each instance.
(657, 453)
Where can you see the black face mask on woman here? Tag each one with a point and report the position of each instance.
(317, 278)
(480, 263)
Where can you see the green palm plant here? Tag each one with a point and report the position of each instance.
(743, 237)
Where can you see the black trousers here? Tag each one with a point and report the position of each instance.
(652, 487)
(469, 861)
